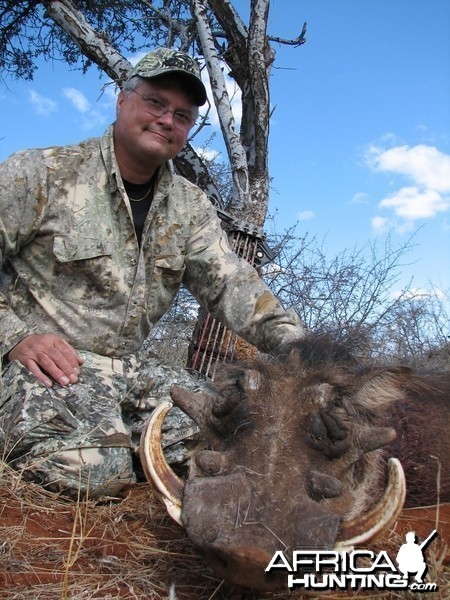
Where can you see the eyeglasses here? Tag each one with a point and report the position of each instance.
(155, 107)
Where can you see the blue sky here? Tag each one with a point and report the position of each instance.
(360, 134)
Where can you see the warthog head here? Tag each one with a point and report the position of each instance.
(293, 459)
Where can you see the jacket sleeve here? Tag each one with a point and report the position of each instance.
(21, 206)
(231, 290)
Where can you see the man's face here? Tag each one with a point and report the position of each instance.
(141, 136)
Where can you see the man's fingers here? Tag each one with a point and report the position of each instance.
(71, 354)
(67, 360)
(48, 355)
(33, 367)
(57, 367)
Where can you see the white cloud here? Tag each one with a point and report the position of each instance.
(135, 58)
(78, 99)
(109, 93)
(425, 165)
(94, 118)
(380, 224)
(305, 215)
(412, 203)
(207, 153)
(428, 170)
(42, 105)
(273, 269)
(96, 113)
(234, 94)
(420, 294)
(360, 198)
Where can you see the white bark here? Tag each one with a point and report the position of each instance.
(90, 42)
(260, 57)
(233, 143)
(249, 56)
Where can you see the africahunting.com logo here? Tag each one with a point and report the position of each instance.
(358, 569)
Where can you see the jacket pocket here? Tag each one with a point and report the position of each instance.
(83, 270)
(166, 280)
(169, 271)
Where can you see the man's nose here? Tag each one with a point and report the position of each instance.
(167, 118)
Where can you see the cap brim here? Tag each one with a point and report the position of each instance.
(193, 83)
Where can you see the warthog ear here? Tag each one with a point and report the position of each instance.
(382, 389)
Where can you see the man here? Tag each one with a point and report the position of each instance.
(96, 239)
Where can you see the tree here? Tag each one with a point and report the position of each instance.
(100, 32)
(348, 293)
(215, 31)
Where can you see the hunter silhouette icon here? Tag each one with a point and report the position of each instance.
(410, 556)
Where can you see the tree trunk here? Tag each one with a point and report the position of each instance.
(222, 102)
(250, 57)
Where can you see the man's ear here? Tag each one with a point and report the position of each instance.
(120, 99)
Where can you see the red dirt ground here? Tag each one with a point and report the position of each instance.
(128, 548)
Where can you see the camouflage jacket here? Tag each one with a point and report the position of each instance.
(68, 241)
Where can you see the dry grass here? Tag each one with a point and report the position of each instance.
(53, 549)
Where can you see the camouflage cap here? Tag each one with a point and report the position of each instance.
(167, 60)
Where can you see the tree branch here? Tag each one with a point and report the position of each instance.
(222, 102)
(90, 42)
(299, 41)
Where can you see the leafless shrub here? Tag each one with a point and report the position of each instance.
(356, 296)
(171, 336)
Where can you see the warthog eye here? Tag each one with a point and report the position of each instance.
(317, 427)
(225, 404)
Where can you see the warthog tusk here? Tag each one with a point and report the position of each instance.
(155, 466)
(371, 525)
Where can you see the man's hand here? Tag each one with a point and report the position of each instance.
(48, 356)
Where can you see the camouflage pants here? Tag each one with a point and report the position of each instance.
(83, 438)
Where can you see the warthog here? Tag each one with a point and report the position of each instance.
(297, 453)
